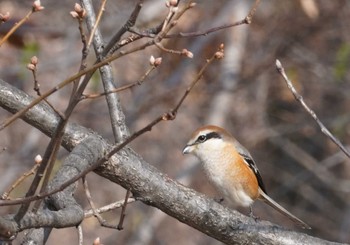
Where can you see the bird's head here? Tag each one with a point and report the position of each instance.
(208, 140)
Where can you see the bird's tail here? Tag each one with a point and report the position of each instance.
(282, 210)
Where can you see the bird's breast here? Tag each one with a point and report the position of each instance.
(231, 177)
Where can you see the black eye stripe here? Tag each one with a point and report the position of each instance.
(204, 137)
(213, 135)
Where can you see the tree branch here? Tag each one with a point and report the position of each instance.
(300, 99)
(119, 128)
(148, 185)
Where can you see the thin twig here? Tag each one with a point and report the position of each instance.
(80, 235)
(98, 19)
(32, 66)
(122, 213)
(111, 45)
(171, 51)
(247, 20)
(102, 221)
(50, 151)
(172, 11)
(205, 32)
(85, 53)
(36, 83)
(16, 26)
(118, 204)
(300, 99)
(251, 13)
(20, 180)
(168, 27)
(119, 89)
(218, 55)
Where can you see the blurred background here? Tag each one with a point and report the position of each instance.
(302, 169)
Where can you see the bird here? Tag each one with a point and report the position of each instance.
(231, 169)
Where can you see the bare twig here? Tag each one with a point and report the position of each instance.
(300, 99)
(102, 221)
(21, 179)
(47, 163)
(165, 29)
(80, 14)
(111, 46)
(183, 52)
(172, 11)
(122, 213)
(98, 19)
(36, 7)
(247, 20)
(118, 204)
(171, 51)
(80, 235)
(122, 88)
(15, 27)
(205, 32)
(32, 66)
(85, 49)
(251, 13)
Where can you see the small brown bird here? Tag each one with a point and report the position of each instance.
(231, 168)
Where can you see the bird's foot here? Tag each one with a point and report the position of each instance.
(219, 199)
(251, 215)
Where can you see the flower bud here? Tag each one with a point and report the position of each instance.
(37, 6)
(34, 60)
(4, 17)
(187, 53)
(38, 159)
(79, 10)
(157, 61)
(152, 60)
(31, 67)
(173, 3)
(219, 55)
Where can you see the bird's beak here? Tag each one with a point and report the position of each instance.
(187, 149)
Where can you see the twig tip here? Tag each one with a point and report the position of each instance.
(278, 64)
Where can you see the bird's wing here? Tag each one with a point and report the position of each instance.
(251, 164)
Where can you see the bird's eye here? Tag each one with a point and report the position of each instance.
(202, 138)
